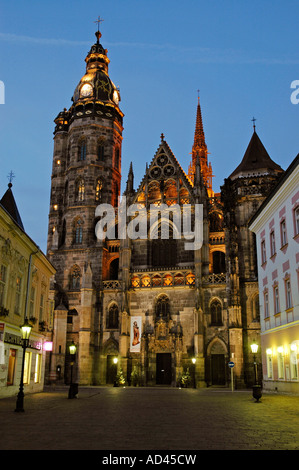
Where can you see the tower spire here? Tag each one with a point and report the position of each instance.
(200, 152)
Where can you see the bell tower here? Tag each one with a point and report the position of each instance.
(86, 172)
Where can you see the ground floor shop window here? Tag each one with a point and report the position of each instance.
(269, 364)
(27, 365)
(280, 362)
(294, 364)
(11, 366)
(37, 371)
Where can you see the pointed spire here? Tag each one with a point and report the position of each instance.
(256, 160)
(9, 204)
(200, 152)
(199, 135)
(130, 180)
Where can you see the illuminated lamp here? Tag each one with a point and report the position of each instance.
(25, 332)
(48, 346)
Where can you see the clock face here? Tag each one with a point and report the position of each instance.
(115, 97)
(86, 90)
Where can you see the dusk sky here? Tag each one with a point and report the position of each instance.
(241, 55)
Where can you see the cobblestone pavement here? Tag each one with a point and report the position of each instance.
(111, 418)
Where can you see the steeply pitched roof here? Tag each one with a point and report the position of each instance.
(9, 204)
(255, 160)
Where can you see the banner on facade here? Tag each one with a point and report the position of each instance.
(135, 336)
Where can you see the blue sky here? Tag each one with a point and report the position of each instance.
(243, 56)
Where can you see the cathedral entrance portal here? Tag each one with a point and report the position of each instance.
(163, 369)
(218, 369)
(111, 369)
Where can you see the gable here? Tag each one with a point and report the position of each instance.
(165, 181)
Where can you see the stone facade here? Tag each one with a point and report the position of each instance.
(190, 311)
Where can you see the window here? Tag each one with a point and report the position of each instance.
(294, 362)
(216, 313)
(31, 302)
(288, 294)
(3, 278)
(162, 306)
(163, 246)
(78, 232)
(266, 304)
(112, 317)
(269, 364)
(99, 187)
(75, 278)
(101, 152)
(117, 158)
(283, 232)
(37, 370)
(263, 251)
(218, 262)
(41, 308)
(296, 220)
(80, 191)
(18, 295)
(276, 300)
(272, 243)
(11, 366)
(82, 150)
(27, 366)
(280, 362)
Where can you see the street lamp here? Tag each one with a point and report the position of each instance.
(115, 361)
(194, 362)
(73, 390)
(25, 331)
(256, 389)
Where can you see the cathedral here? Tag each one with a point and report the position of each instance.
(146, 309)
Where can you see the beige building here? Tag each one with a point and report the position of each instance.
(24, 292)
(146, 306)
(276, 226)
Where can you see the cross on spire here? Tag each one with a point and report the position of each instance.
(10, 177)
(98, 21)
(253, 120)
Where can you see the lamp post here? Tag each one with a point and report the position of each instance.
(25, 330)
(256, 389)
(115, 361)
(73, 390)
(193, 368)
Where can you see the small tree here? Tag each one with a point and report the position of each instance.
(186, 379)
(134, 377)
(120, 380)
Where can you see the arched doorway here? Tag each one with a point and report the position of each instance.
(113, 269)
(216, 363)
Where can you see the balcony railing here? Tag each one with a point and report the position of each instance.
(214, 279)
(112, 285)
(163, 279)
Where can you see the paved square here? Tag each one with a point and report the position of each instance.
(108, 418)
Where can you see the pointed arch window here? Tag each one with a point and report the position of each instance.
(82, 150)
(101, 152)
(162, 306)
(75, 277)
(216, 313)
(117, 158)
(112, 317)
(163, 246)
(115, 194)
(80, 190)
(99, 187)
(78, 232)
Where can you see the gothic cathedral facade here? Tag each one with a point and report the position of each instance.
(147, 306)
